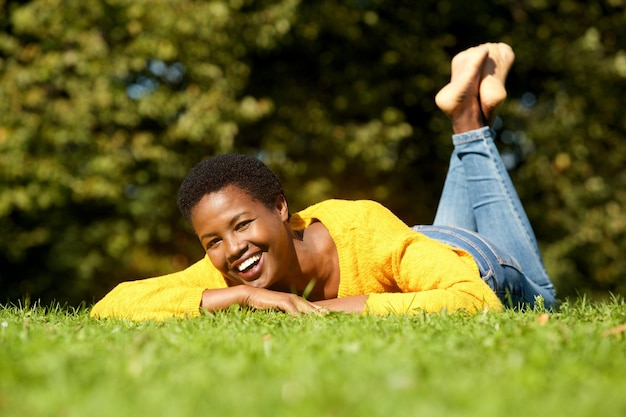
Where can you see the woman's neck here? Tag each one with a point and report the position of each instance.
(320, 261)
(316, 273)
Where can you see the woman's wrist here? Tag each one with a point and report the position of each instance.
(222, 298)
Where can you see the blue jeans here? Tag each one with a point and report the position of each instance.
(480, 212)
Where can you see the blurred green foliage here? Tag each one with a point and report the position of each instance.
(105, 105)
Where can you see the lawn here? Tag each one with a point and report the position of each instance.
(59, 362)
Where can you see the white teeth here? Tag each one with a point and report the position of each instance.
(248, 262)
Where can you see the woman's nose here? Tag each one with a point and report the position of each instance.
(236, 248)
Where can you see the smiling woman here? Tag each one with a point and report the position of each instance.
(245, 240)
(357, 256)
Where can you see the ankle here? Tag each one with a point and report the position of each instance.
(470, 118)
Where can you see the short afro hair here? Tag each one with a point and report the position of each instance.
(213, 174)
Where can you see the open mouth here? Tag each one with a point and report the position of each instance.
(249, 263)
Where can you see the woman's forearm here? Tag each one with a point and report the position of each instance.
(223, 298)
(352, 304)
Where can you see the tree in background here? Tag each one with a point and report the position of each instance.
(105, 105)
(574, 182)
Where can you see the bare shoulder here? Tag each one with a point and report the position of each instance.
(318, 233)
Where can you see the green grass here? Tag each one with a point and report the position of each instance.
(58, 362)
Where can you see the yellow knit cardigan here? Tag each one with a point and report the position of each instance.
(402, 271)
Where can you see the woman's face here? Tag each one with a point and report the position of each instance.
(245, 240)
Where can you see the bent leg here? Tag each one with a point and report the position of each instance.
(499, 214)
(478, 180)
(455, 206)
(459, 100)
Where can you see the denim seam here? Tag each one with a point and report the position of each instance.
(519, 220)
(471, 136)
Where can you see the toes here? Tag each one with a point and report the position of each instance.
(500, 60)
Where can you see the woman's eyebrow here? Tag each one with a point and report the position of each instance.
(231, 223)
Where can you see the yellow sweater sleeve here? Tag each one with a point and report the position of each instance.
(432, 301)
(401, 271)
(433, 277)
(174, 295)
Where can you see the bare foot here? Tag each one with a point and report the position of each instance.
(495, 69)
(460, 98)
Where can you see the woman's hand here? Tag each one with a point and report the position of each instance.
(259, 298)
(264, 299)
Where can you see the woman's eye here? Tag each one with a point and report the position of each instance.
(243, 225)
(210, 244)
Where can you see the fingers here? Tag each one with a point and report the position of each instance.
(298, 305)
(263, 299)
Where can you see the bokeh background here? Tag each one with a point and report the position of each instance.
(106, 104)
